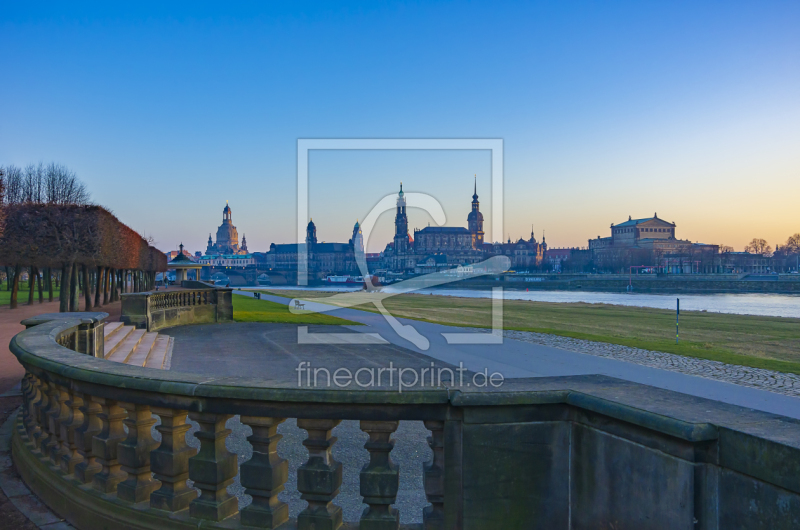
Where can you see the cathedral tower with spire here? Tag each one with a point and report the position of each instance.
(401, 238)
(475, 220)
(311, 235)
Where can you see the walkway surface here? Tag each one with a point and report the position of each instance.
(516, 358)
(10, 370)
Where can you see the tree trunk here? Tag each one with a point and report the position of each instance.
(74, 289)
(31, 284)
(106, 274)
(49, 281)
(9, 278)
(99, 286)
(87, 291)
(15, 287)
(63, 293)
(113, 286)
(39, 285)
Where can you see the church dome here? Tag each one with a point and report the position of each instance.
(227, 234)
(475, 215)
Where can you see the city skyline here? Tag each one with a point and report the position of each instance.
(605, 112)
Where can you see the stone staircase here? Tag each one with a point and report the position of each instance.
(126, 344)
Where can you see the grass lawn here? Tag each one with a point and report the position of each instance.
(246, 309)
(762, 342)
(22, 295)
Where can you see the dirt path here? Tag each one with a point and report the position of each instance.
(10, 370)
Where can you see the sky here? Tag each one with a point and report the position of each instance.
(606, 110)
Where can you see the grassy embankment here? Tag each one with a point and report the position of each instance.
(761, 342)
(22, 295)
(246, 309)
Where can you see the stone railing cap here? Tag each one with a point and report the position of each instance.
(85, 318)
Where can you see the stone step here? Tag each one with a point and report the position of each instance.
(110, 328)
(113, 341)
(158, 353)
(142, 351)
(126, 347)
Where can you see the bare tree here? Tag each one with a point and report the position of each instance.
(33, 184)
(792, 244)
(150, 240)
(14, 185)
(724, 249)
(759, 246)
(40, 184)
(62, 186)
(2, 203)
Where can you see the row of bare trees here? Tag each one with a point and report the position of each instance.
(43, 184)
(51, 230)
(760, 246)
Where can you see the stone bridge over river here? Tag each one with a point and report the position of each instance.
(232, 433)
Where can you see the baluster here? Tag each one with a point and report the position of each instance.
(380, 478)
(104, 445)
(32, 425)
(62, 418)
(170, 462)
(50, 450)
(433, 471)
(25, 386)
(320, 478)
(264, 475)
(69, 451)
(41, 435)
(213, 469)
(88, 467)
(134, 454)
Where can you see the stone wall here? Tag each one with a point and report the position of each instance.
(158, 310)
(589, 463)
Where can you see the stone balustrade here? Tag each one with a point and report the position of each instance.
(553, 453)
(159, 310)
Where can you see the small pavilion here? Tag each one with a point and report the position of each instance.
(182, 264)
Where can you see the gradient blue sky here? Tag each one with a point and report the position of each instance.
(606, 109)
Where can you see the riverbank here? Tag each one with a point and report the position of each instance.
(771, 343)
(640, 283)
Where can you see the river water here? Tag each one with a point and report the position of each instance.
(778, 305)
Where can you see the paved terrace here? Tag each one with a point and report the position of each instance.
(525, 355)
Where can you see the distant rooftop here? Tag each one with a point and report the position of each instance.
(634, 222)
